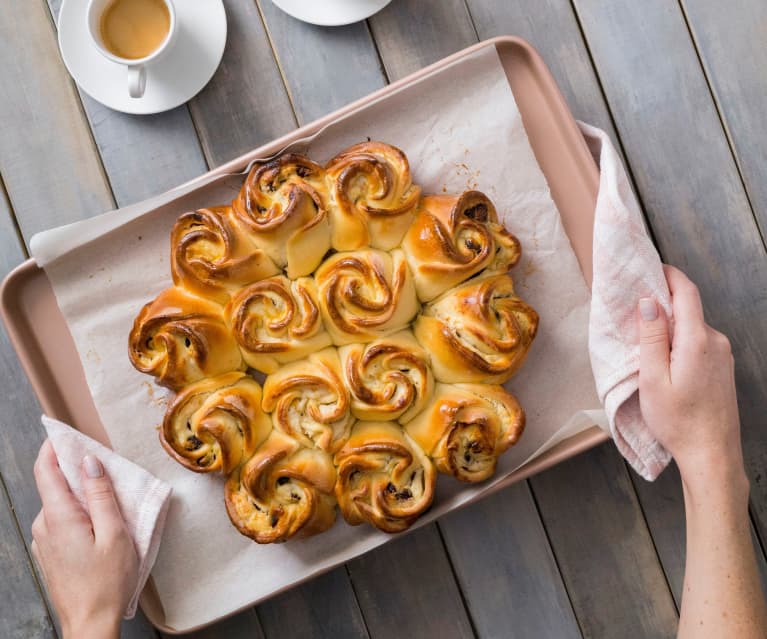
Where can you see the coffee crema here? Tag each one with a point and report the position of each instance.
(134, 29)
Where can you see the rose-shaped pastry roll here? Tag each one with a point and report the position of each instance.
(308, 401)
(276, 321)
(384, 477)
(216, 423)
(453, 238)
(179, 339)
(285, 490)
(372, 197)
(365, 294)
(283, 203)
(466, 427)
(478, 332)
(212, 254)
(388, 378)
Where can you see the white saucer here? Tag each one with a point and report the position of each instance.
(331, 13)
(173, 79)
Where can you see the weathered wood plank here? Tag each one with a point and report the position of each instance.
(23, 611)
(731, 40)
(690, 187)
(324, 68)
(411, 34)
(406, 589)
(47, 158)
(242, 626)
(299, 613)
(506, 570)
(246, 103)
(611, 570)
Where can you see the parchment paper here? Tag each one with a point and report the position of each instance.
(461, 129)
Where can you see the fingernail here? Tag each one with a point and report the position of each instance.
(648, 309)
(92, 467)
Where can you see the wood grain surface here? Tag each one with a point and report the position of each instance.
(585, 549)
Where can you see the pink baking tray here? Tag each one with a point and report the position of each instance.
(47, 352)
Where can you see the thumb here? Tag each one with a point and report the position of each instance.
(102, 505)
(654, 345)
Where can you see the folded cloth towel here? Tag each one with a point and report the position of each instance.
(626, 268)
(143, 499)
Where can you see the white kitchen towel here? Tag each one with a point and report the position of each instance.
(626, 268)
(143, 499)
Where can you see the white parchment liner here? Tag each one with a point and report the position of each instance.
(461, 129)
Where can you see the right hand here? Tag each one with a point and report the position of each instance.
(687, 385)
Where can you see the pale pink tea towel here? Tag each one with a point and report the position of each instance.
(626, 268)
(143, 499)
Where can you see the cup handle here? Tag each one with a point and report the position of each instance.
(136, 80)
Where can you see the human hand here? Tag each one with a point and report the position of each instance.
(687, 386)
(89, 562)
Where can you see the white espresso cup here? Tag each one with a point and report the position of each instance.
(136, 67)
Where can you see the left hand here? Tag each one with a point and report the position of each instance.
(89, 562)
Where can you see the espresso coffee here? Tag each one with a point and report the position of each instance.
(134, 29)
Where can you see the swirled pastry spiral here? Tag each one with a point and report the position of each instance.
(179, 339)
(365, 294)
(282, 202)
(276, 321)
(477, 332)
(466, 427)
(212, 254)
(384, 477)
(389, 378)
(453, 238)
(216, 423)
(372, 197)
(308, 401)
(283, 491)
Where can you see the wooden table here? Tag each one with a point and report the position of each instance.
(586, 549)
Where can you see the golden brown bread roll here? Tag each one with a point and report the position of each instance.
(384, 477)
(453, 238)
(283, 204)
(466, 427)
(212, 254)
(179, 338)
(216, 423)
(478, 332)
(276, 321)
(372, 197)
(285, 490)
(389, 378)
(365, 294)
(308, 401)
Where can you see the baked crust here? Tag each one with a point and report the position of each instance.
(309, 401)
(213, 254)
(285, 490)
(373, 198)
(283, 204)
(384, 477)
(388, 379)
(466, 427)
(216, 423)
(179, 339)
(276, 321)
(478, 332)
(454, 238)
(365, 294)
